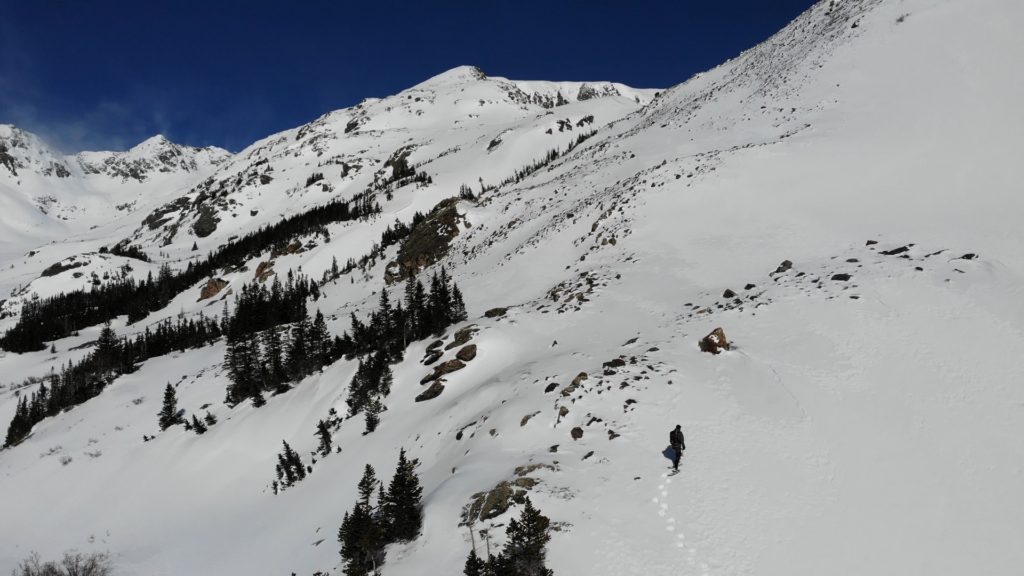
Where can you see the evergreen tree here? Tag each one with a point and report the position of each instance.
(323, 432)
(198, 425)
(402, 502)
(474, 565)
(169, 413)
(209, 419)
(527, 539)
(108, 350)
(367, 484)
(372, 415)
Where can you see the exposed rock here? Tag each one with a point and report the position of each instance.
(871, 242)
(588, 455)
(495, 312)
(574, 384)
(896, 251)
(969, 256)
(433, 392)
(432, 356)
(462, 336)
(527, 418)
(550, 387)
(786, 265)
(553, 448)
(841, 277)
(264, 270)
(576, 433)
(291, 248)
(467, 353)
(442, 369)
(714, 342)
(614, 363)
(212, 288)
(57, 268)
(435, 344)
(750, 287)
(206, 223)
(563, 411)
(728, 293)
(428, 241)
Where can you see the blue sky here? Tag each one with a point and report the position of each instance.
(107, 74)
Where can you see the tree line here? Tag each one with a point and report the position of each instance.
(60, 315)
(113, 356)
(272, 341)
(381, 341)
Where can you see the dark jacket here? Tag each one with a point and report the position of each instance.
(675, 438)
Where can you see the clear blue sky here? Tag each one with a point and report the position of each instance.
(105, 74)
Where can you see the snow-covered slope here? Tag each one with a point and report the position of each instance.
(82, 200)
(867, 420)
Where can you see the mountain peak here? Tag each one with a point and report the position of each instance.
(458, 75)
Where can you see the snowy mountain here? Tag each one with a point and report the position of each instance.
(840, 200)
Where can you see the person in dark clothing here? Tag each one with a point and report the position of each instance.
(675, 438)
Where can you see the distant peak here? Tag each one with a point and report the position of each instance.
(158, 141)
(457, 75)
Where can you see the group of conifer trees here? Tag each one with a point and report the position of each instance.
(58, 316)
(524, 552)
(262, 356)
(78, 382)
(382, 340)
(381, 517)
(170, 415)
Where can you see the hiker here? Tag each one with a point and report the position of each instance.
(675, 438)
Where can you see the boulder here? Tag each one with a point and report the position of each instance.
(467, 353)
(576, 433)
(212, 288)
(841, 277)
(714, 342)
(462, 336)
(786, 265)
(442, 369)
(728, 293)
(433, 392)
(432, 356)
(574, 384)
(495, 312)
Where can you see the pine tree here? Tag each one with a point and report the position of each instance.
(474, 565)
(372, 414)
(108, 350)
(169, 413)
(320, 341)
(324, 433)
(198, 425)
(209, 419)
(403, 501)
(458, 313)
(367, 484)
(527, 539)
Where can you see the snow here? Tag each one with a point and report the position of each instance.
(870, 426)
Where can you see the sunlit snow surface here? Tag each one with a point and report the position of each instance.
(870, 435)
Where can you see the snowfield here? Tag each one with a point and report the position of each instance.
(867, 420)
